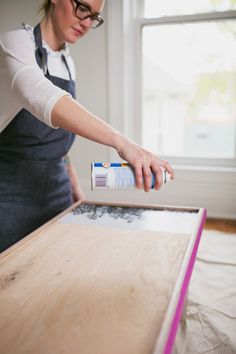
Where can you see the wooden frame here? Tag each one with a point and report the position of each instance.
(165, 340)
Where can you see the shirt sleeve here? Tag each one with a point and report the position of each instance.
(25, 85)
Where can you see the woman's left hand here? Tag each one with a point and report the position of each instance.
(77, 192)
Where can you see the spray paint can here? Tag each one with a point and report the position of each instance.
(116, 175)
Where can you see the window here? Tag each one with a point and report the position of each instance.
(158, 8)
(171, 86)
(189, 78)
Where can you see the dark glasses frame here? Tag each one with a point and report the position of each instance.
(81, 7)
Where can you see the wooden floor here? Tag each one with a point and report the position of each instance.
(223, 225)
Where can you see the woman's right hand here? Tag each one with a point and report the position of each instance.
(144, 163)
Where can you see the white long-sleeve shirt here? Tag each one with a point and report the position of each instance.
(22, 82)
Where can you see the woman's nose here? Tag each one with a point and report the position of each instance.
(87, 22)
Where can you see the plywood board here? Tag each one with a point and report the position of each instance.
(88, 289)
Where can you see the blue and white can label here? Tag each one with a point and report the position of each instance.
(116, 175)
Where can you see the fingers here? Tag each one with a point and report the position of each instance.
(151, 171)
(143, 176)
(158, 171)
(158, 175)
(147, 178)
(138, 175)
(168, 168)
(145, 165)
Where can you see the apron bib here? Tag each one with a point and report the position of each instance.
(34, 184)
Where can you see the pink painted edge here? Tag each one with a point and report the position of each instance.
(184, 288)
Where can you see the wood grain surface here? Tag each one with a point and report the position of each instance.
(81, 289)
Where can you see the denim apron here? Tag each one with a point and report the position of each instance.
(34, 184)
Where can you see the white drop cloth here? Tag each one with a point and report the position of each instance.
(210, 323)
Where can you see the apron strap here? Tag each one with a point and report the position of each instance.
(67, 66)
(41, 53)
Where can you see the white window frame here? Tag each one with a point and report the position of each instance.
(124, 72)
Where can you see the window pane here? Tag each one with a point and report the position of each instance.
(157, 8)
(189, 89)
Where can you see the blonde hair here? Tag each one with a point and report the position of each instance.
(45, 6)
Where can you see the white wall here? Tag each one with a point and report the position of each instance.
(12, 14)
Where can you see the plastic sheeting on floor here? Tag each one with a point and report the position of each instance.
(210, 322)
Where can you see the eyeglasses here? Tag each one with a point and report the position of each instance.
(83, 11)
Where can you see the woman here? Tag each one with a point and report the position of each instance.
(40, 118)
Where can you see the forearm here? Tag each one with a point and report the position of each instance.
(70, 115)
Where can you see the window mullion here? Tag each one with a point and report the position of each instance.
(200, 17)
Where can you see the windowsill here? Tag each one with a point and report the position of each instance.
(200, 168)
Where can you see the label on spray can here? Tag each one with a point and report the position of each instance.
(116, 175)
